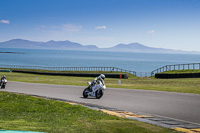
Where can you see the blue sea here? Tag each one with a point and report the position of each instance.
(139, 62)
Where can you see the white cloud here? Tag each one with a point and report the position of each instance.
(151, 32)
(68, 29)
(5, 21)
(101, 27)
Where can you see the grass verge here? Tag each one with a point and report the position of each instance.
(51, 71)
(22, 112)
(183, 71)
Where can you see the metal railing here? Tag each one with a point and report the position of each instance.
(143, 74)
(191, 66)
(105, 69)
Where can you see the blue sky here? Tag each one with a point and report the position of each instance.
(173, 24)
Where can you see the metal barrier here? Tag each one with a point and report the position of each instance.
(105, 69)
(143, 74)
(191, 66)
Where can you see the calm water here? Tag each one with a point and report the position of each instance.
(139, 62)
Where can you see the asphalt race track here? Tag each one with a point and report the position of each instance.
(179, 106)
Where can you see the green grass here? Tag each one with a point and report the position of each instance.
(40, 70)
(22, 112)
(98, 72)
(183, 71)
(183, 85)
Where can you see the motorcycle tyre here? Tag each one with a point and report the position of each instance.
(85, 95)
(3, 87)
(98, 96)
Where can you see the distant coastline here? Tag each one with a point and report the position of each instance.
(12, 53)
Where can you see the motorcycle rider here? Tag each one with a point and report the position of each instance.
(4, 77)
(97, 80)
(100, 79)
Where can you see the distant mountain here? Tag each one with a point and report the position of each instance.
(67, 45)
(19, 43)
(133, 47)
(136, 47)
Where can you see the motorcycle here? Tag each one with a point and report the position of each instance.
(94, 90)
(3, 83)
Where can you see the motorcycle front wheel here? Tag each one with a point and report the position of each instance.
(99, 94)
(85, 93)
(1, 86)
